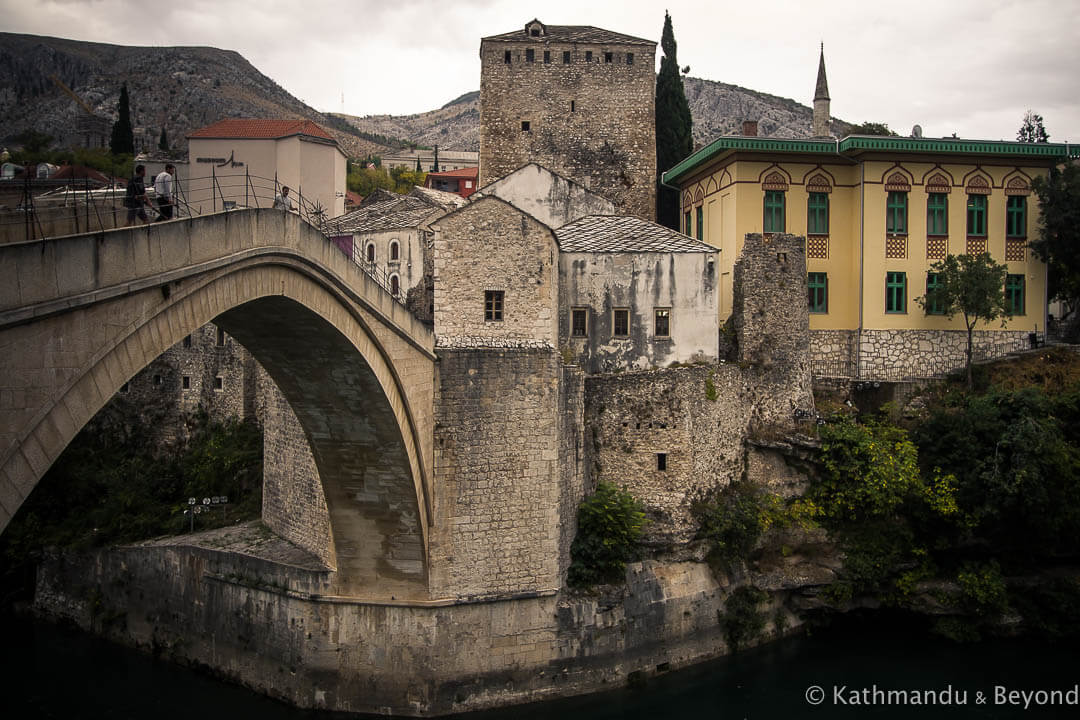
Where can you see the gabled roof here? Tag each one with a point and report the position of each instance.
(261, 129)
(396, 212)
(439, 198)
(624, 234)
(571, 34)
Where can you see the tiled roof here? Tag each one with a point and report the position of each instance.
(468, 172)
(624, 233)
(395, 213)
(574, 34)
(260, 128)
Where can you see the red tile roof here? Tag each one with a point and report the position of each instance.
(260, 128)
(469, 172)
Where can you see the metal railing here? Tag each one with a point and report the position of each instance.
(80, 207)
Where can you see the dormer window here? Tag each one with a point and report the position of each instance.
(535, 29)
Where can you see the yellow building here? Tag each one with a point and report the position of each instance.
(877, 212)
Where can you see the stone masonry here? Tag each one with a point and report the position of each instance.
(591, 118)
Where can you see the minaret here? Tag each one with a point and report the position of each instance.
(821, 99)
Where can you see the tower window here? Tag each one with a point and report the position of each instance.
(566, 57)
(493, 305)
(588, 56)
(661, 461)
(579, 322)
(220, 337)
(506, 57)
(572, 106)
(629, 58)
(185, 382)
(608, 57)
(525, 126)
(530, 55)
(547, 57)
(219, 383)
(187, 341)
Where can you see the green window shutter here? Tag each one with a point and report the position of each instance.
(700, 223)
(817, 214)
(817, 285)
(895, 292)
(896, 213)
(933, 282)
(774, 211)
(1014, 294)
(937, 214)
(1016, 217)
(976, 215)
(686, 223)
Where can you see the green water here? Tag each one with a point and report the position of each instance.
(55, 672)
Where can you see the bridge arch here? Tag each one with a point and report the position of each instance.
(354, 368)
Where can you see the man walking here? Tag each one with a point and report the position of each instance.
(163, 189)
(283, 201)
(135, 199)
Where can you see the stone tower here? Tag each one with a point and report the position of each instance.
(821, 99)
(576, 99)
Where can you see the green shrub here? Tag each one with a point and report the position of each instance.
(610, 523)
(733, 523)
(742, 620)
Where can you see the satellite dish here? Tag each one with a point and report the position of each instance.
(916, 132)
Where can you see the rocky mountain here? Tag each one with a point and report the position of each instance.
(717, 109)
(178, 88)
(185, 88)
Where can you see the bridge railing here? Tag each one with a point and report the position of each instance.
(79, 207)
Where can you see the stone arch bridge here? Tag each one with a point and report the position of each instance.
(80, 315)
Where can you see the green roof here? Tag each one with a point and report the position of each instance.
(854, 145)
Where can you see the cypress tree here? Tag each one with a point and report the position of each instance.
(123, 138)
(163, 143)
(674, 138)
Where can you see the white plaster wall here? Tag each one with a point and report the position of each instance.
(550, 198)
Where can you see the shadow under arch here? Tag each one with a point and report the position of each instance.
(355, 439)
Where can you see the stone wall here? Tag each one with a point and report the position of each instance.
(592, 121)
(899, 354)
(832, 352)
(548, 197)
(571, 459)
(497, 526)
(489, 245)
(294, 505)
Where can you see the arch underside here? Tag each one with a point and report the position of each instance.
(339, 379)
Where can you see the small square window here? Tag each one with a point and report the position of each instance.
(185, 382)
(157, 380)
(579, 322)
(629, 58)
(588, 56)
(547, 57)
(219, 383)
(608, 57)
(566, 57)
(525, 125)
(573, 106)
(493, 305)
(530, 55)
(220, 337)
(506, 57)
(661, 461)
(662, 325)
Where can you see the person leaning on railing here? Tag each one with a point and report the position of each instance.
(282, 201)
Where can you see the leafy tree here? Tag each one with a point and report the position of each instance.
(873, 128)
(123, 137)
(163, 143)
(1059, 235)
(1032, 130)
(971, 285)
(435, 165)
(674, 136)
(33, 143)
(610, 523)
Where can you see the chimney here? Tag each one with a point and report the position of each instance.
(749, 128)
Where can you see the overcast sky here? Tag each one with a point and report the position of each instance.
(972, 67)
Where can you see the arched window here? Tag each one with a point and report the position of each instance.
(395, 285)
(370, 252)
(394, 252)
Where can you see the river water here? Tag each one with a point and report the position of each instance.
(57, 672)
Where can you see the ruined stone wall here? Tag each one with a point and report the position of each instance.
(698, 417)
(489, 245)
(497, 525)
(592, 121)
(294, 505)
(571, 459)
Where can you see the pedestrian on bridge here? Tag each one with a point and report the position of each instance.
(135, 199)
(283, 201)
(163, 189)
